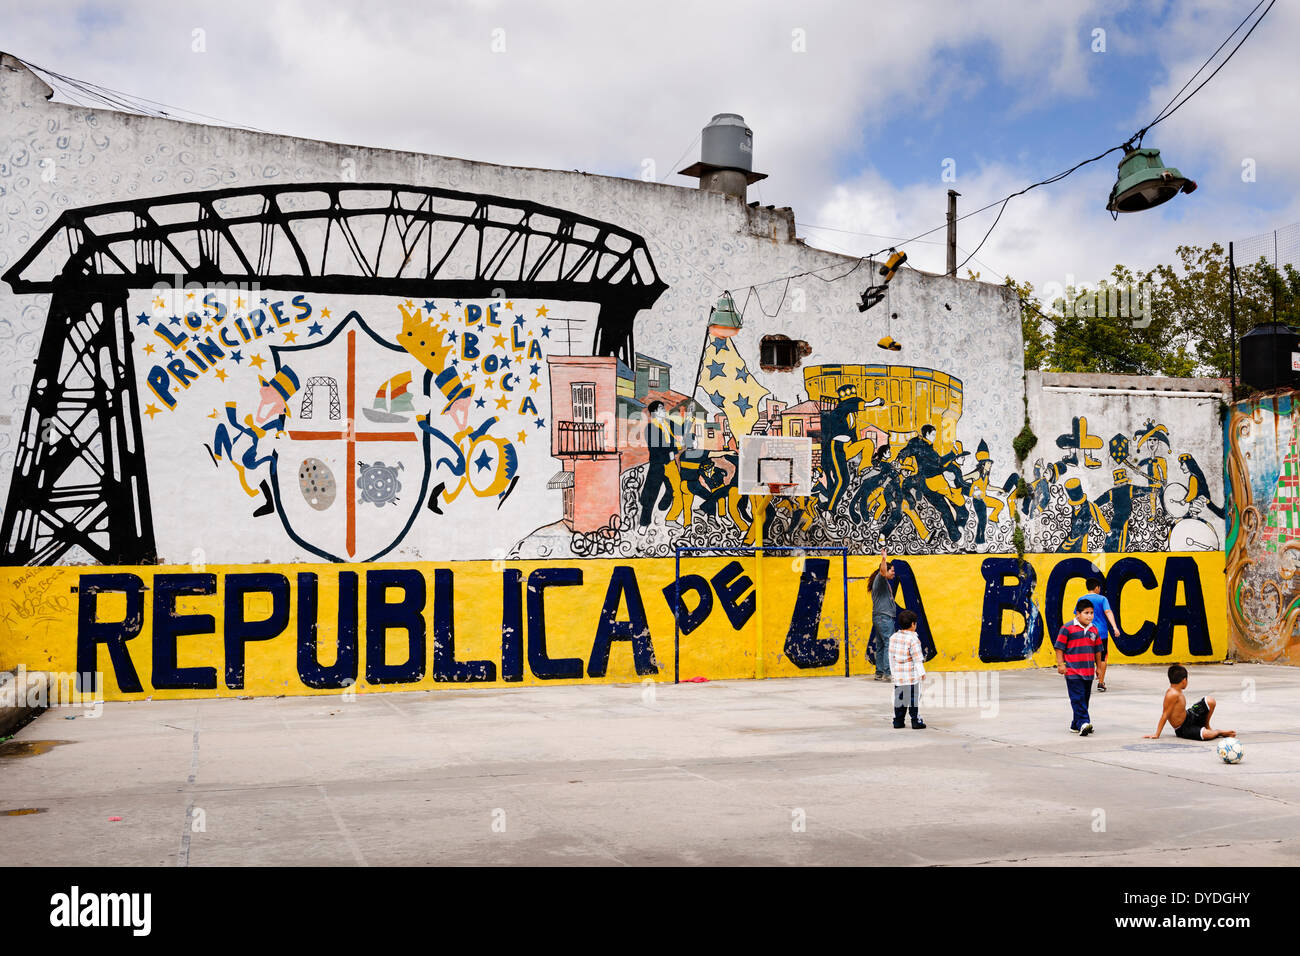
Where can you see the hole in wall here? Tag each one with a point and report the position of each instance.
(780, 353)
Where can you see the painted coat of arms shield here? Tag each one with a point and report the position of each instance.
(352, 470)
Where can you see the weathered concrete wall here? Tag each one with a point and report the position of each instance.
(229, 349)
(1263, 520)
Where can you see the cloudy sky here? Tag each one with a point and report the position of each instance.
(855, 107)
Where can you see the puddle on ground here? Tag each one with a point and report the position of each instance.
(29, 748)
(22, 811)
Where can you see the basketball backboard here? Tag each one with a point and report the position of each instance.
(767, 460)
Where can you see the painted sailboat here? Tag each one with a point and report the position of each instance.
(392, 401)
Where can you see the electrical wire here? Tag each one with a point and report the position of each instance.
(1136, 137)
(1163, 115)
(1193, 77)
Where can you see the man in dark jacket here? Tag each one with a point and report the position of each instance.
(662, 444)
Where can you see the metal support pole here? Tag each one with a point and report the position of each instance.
(952, 232)
(1232, 316)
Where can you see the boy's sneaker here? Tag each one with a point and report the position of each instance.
(1074, 730)
(1085, 730)
(917, 725)
(898, 725)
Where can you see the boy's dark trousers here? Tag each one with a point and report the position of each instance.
(1080, 689)
(907, 698)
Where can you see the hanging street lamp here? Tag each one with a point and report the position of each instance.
(1144, 182)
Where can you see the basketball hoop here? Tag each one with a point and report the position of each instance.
(780, 489)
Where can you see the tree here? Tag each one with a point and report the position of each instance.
(1189, 332)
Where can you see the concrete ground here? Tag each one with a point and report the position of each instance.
(804, 771)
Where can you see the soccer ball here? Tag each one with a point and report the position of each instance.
(1229, 750)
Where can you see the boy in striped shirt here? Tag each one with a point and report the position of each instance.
(1078, 648)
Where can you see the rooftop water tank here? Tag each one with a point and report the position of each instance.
(728, 143)
(1267, 353)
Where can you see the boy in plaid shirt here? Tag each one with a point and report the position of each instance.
(907, 667)
(1078, 648)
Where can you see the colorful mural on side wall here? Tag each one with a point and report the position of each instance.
(1263, 515)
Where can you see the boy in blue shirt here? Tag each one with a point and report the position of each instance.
(1101, 615)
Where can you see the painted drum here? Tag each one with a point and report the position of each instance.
(316, 482)
(1173, 496)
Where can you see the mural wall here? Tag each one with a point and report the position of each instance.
(1263, 465)
(228, 349)
(1124, 464)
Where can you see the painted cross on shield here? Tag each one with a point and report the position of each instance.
(351, 476)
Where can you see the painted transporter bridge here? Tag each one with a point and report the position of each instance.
(79, 477)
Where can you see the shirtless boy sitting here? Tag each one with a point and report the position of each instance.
(1190, 723)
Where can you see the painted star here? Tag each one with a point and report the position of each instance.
(446, 316)
(510, 306)
(717, 399)
(221, 374)
(480, 326)
(742, 374)
(429, 306)
(480, 402)
(474, 367)
(189, 295)
(208, 327)
(158, 303)
(264, 302)
(196, 337)
(212, 414)
(142, 319)
(409, 304)
(541, 423)
(498, 341)
(256, 361)
(175, 320)
(505, 361)
(148, 349)
(546, 331)
(239, 302)
(535, 370)
(523, 437)
(716, 371)
(236, 357)
(169, 353)
(720, 344)
(291, 336)
(519, 320)
(487, 383)
(534, 385)
(541, 311)
(455, 361)
(503, 401)
(151, 410)
(452, 335)
(324, 313)
(744, 404)
(483, 461)
(314, 329)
